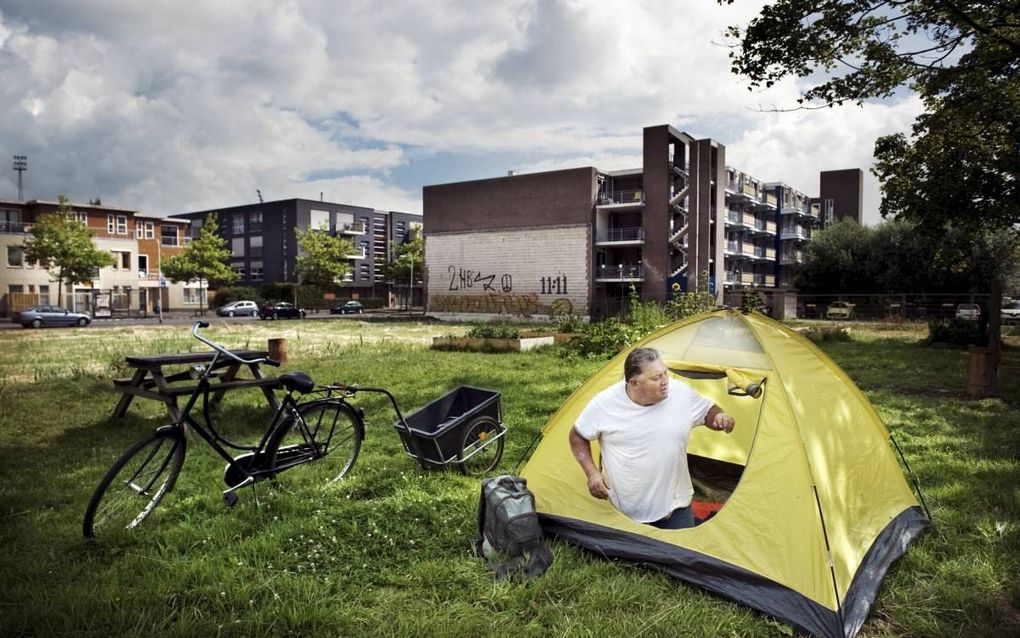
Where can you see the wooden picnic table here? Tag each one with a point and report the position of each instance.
(153, 379)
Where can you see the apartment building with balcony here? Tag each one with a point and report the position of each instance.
(262, 237)
(137, 241)
(581, 239)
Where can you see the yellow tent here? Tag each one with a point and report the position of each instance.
(812, 506)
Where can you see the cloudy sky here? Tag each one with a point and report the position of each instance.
(169, 106)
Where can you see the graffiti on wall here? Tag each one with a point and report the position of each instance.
(467, 279)
(522, 305)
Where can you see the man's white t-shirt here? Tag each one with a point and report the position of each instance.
(644, 448)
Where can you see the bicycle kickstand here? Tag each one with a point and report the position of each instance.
(230, 495)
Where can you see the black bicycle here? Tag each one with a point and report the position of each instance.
(321, 433)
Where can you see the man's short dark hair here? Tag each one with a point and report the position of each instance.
(636, 361)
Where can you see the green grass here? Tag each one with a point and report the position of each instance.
(387, 551)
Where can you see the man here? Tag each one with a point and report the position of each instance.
(643, 424)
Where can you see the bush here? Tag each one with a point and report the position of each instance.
(602, 338)
(819, 335)
(278, 292)
(494, 331)
(236, 293)
(954, 332)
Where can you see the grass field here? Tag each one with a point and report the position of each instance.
(387, 550)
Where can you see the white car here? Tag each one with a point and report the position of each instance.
(968, 311)
(1011, 312)
(239, 309)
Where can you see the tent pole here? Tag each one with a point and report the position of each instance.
(527, 451)
(828, 557)
(913, 477)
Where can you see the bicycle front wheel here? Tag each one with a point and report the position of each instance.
(324, 438)
(136, 483)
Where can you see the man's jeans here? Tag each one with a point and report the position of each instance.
(680, 518)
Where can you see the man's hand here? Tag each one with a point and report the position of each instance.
(722, 422)
(597, 485)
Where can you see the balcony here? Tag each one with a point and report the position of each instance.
(14, 228)
(792, 257)
(620, 237)
(350, 228)
(625, 198)
(770, 254)
(358, 254)
(623, 272)
(795, 233)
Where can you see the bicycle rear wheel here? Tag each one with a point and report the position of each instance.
(136, 483)
(325, 441)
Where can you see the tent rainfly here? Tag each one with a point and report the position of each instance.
(809, 505)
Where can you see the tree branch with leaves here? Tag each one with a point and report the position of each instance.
(205, 260)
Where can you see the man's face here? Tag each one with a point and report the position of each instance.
(652, 385)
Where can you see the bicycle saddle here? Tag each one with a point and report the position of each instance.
(297, 382)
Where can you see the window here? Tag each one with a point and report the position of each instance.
(237, 246)
(44, 294)
(238, 224)
(256, 271)
(239, 270)
(144, 230)
(15, 289)
(192, 295)
(150, 230)
(139, 230)
(79, 216)
(143, 265)
(122, 224)
(255, 222)
(15, 256)
(318, 219)
(168, 235)
(255, 245)
(111, 224)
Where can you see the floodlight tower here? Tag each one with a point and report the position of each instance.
(20, 165)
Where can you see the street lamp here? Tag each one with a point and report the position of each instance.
(20, 165)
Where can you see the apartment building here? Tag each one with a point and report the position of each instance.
(581, 239)
(137, 241)
(263, 240)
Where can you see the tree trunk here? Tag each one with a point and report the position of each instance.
(994, 335)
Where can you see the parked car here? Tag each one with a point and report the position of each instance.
(1010, 312)
(281, 310)
(839, 310)
(349, 308)
(43, 315)
(239, 309)
(968, 311)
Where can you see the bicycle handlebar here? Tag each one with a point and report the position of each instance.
(222, 350)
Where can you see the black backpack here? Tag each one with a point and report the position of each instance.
(509, 535)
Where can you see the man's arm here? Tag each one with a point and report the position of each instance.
(718, 420)
(581, 448)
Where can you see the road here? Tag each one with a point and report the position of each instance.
(190, 318)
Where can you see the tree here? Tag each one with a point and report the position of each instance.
(204, 260)
(65, 248)
(960, 167)
(324, 259)
(405, 265)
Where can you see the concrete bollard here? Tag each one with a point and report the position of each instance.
(278, 350)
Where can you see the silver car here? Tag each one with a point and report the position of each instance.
(44, 315)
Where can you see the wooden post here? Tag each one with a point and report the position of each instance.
(278, 350)
(979, 382)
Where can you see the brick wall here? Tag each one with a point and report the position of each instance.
(521, 274)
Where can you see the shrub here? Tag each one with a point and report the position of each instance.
(689, 304)
(954, 332)
(602, 338)
(494, 331)
(819, 335)
(278, 292)
(235, 293)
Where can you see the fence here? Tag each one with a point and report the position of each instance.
(915, 307)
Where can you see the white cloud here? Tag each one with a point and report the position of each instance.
(172, 106)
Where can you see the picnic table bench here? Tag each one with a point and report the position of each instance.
(153, 380)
